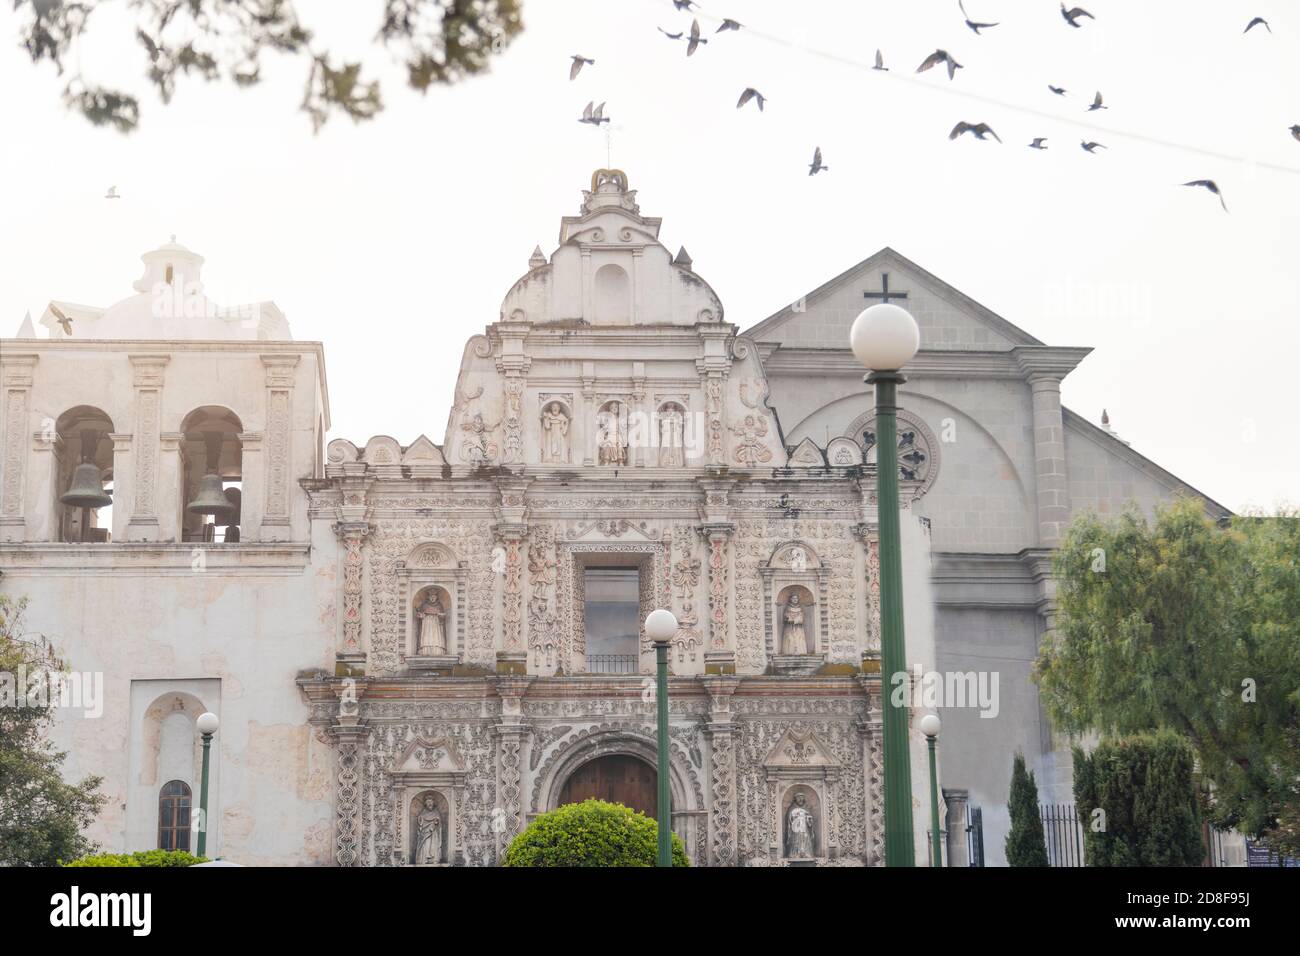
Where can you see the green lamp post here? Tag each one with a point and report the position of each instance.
(884, 338)
(930, 726)
(661, 627)
(207, 726)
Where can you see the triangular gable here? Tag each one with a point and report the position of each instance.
(1076, 423)
(949, 319)
(800, 751)
(429, 756)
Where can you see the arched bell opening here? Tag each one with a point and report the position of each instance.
(83, 454)
(212, 461)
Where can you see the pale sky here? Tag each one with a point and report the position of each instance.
(394, 241)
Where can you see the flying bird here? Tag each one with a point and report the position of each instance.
(578, 62)
(1072, 16)
(816, 166)
(1091, 147)
(1212, 186)
(729, 25)
(1256, 22)
(64, 322)
(1097, 104)
(937, 57)
(751, 94)
(695, 39)
(1038, 142)
(880, 63)
(594, 118)
(1295, 131)
(112, 193)
(975, 27)
(979, 129)
(683, 4)
(671, 36)
(1058, 90)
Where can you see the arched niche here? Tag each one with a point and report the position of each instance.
(210, 445)
(612, 295)
(795, 569)
(555, 430)
(82, 435)
(432, 572)
(669, 435)
(429, 826)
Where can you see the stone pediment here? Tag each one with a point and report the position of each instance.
(800, 752)
(429, 756)
(949, 319)
(807, 455)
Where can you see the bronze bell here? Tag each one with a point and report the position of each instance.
(211, 499)
(86, 490)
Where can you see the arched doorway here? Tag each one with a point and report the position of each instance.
(616, 778)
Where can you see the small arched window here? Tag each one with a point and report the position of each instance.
(174, 816)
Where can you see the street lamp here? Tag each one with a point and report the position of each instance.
(884, 338)
(661, 627)
(930, 727)
(207, 725)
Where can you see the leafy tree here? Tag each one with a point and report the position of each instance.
(438, 41)
(1144, 787)
(591, 833)
(1187, 625)
(1025, 843)
(41, 816)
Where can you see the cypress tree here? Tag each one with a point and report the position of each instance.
(1145, 789)
(1025, 843)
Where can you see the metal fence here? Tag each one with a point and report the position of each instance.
(1063, 833)
(611, 663)
(975, 835)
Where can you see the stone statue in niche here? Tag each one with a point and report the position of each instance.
(671, 436)
(427, 830)
(612, 435)
(432, 616)
(794, 640)
(799, 829)
(555, 435)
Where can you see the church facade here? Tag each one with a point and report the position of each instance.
(416, 648)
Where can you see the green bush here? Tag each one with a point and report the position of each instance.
(142, 858)
(1025, 844)
(591, 833)
(1145, 787)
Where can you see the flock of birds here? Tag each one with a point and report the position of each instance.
(595, 115)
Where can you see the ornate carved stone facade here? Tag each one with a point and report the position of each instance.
(684, 484)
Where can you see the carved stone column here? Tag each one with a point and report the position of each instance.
(871, 732)
(18, 376)
(511, 735)
(869, 536)
(512, 533)
(171, 487)
(121, 479)
(351, 734)
(720, 732)
(148, 381)
(642, 428)
(955, 824)
(277, 469)
(251, 473)
(588, 429)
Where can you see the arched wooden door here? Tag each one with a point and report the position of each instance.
(618, 778)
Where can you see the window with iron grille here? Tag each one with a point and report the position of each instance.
(612, 619)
